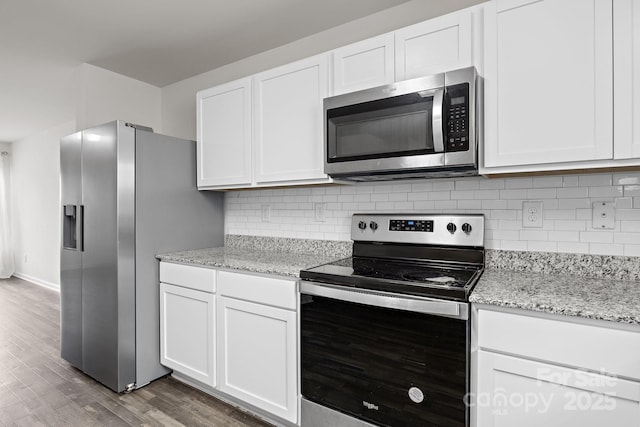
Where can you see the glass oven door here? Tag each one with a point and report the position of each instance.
(386, 366)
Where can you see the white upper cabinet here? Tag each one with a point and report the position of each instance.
(288, 119)
(437, 45)
(224, 135)
(363, 65)
(548, 82)
(626, 39)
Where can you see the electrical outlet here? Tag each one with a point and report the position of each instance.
(320, 211)
(604, 215)
(266, 213)
(532, 214)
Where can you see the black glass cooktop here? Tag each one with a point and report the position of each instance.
(428, 279)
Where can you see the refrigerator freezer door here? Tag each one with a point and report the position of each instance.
(108, 297)
(70, 254)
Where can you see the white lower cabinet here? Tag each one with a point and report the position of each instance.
(240, 343)
(257, 358)
(548, 371)
(187, 332)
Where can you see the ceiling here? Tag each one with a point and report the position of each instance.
(158, 42)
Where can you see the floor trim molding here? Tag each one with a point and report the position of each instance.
(45, 284)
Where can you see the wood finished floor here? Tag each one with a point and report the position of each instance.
(38, 388)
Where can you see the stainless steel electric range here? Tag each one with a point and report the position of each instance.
(385, 333)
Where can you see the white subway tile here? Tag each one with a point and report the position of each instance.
(519, 183)
(352, 206)
(573, 247)
(462, 194)
(547, 181)
(636, 202)
(400, 206)
(540, 246)
(366, 207)
(533, 235)
(632, 190)
(515, 204)
(632, 250)
(513, 245)
(605, 249)
(380, 197)
(573, 193)
(570, 181)
(439, 195)
(425, 205)
(569, 225)
(541, 193)
(627, 238)
(626, 178)
(550, 204)
(610, 191)
(398, 197)
(494, 204)
(627, 214)
(624, 203)
(505, 234)
(446, 205)
(630, 226)
(596, 237)
(487, 194)
(470, 204)
(502, 214)
(491, 184)
(512, 194)
(362, 198)
(564, 236)
(467, 184)
(422, 186)
(384, 206)
(574, 204)
(568, 214)
(439, 185)
(401, 188)
(505, 224)
(418, 196)
(595, 180)
(492, 244)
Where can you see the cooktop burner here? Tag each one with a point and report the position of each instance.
(407, 278)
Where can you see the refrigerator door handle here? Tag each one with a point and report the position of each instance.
(81, 228)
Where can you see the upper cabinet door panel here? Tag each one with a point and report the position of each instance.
(288, 121)
(438, 45)
(626, 38)
(224, 134)
(363, 65)
(548, 81)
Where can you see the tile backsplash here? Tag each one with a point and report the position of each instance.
(567, 203)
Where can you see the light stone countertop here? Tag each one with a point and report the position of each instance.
(250, 260)
(594, 298)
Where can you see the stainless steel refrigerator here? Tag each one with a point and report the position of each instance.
(126, 195)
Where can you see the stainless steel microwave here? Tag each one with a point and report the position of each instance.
(423, 127)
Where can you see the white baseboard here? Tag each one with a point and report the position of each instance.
(39, 282)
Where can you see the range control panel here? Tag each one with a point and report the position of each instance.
(411, 225)
(436, 229)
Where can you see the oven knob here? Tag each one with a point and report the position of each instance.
(373, 225)
(466, 227)
(451, 227)
(362, 225)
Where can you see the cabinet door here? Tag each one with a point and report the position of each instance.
(548, 81)
(524, 393)
(258, 355)
(434, 46)
(288, 121)
(626, 38)
(187, 332)
(224, 134)
(363, 65)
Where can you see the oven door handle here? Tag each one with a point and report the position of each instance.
(458, 310)
(436, 120)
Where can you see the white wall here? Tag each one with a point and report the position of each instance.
(178, 99)
(104, 96)
(35, 198)
(567, 210)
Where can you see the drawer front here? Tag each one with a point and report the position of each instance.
(264, 290)
(596, 348)
(188, 276)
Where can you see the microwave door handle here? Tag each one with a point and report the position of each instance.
(436, 120)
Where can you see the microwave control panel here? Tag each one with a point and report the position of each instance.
(457, 117)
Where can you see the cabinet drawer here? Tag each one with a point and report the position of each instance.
(188, 276)
(265, 290)
(591, 347)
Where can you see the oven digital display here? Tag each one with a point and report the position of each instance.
(411, 225)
